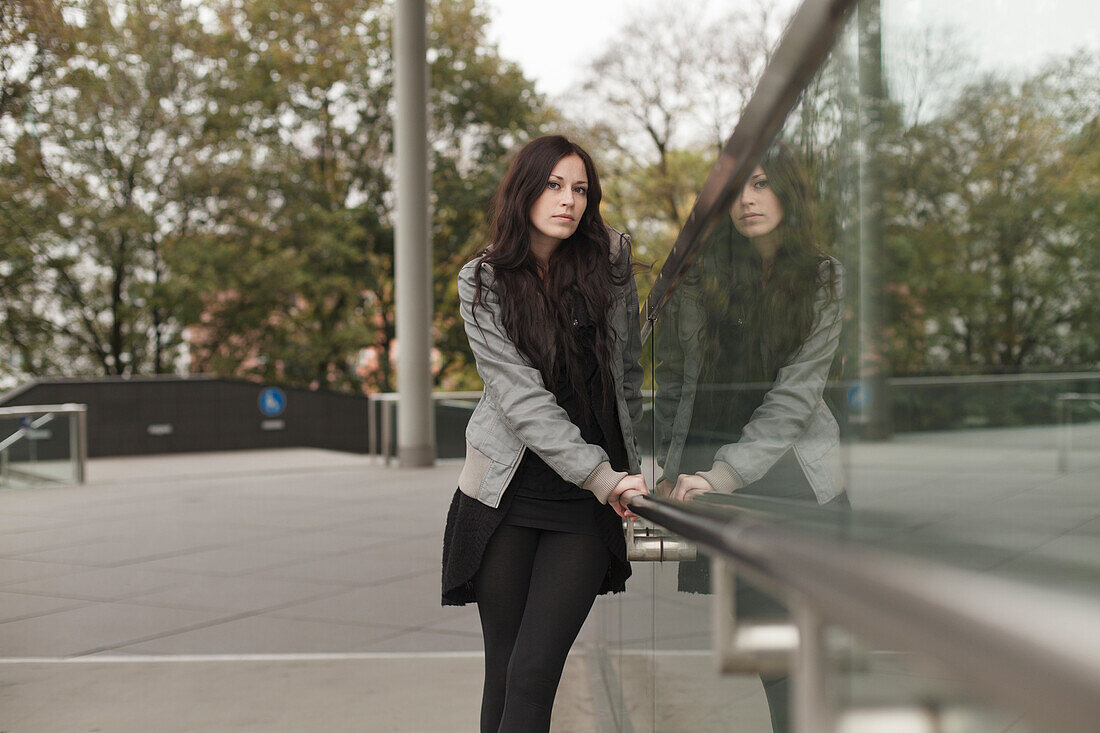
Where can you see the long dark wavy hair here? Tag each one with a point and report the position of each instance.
(774, 311)
(538, 309)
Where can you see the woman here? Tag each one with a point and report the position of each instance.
(768, 323)
(746, 362)
(534, 532)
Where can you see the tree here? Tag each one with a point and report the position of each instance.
(482, 108)
(989, 197)
(95, 185)
(297, 240)
(208, 187)
(35, 35)
(990, 228)
(322, 135)
(662, 99)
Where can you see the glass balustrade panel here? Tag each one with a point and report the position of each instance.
(892, 333)
(37, 449)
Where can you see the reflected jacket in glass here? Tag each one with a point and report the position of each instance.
(793, 414)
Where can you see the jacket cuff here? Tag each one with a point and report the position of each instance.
(722, 477)
(602, 480)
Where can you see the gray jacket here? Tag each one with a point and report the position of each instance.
(517, 412)
(792, 416)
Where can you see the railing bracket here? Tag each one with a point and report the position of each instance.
(651, 544)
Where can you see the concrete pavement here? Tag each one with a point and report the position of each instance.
(298, 590)
(291, 590)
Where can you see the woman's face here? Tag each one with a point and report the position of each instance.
(757, 211)
(557, 212)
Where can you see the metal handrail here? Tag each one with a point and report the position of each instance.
(962, 379)
(808, 39)
(21, 410)
(78, 431)
(382, 415)
(395, 396)
(22, 433)
(1034, 650)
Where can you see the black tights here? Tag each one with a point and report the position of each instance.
(534, 590)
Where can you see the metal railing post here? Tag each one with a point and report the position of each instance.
(387, 450)
(74, 447)
(372, 427)
(1065, 429)
(82, 444)
(395, 442)
(810, 712)
(745, 646)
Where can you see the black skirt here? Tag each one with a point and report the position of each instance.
(470, 524)
(578, 516)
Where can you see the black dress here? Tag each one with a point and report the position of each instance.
(536, 496)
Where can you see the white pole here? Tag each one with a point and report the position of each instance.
(412, 247)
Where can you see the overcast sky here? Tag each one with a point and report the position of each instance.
(552, 41)
(548, 41)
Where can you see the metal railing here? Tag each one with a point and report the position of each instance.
(1035, 651)
(38, 417)
(1064, 406)
(382, 418)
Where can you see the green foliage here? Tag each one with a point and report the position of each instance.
(34, 37)
(987, 261)
(991, 229)
(482, 107)
(208, 187)
(94, 179)
(288, 268)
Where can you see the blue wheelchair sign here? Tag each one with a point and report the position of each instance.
(272, 401)
(858, 396)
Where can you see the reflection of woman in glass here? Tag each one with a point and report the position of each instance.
(534, 531)
(770, 302)
(743, 366)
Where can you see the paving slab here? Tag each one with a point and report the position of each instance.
(247, 633)
(17, 606)
(20, 570)
(430, 693)
(234, 594)
(94, 627)
(384, 603)
(663, 691)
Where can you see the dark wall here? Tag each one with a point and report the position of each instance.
(205, 415)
